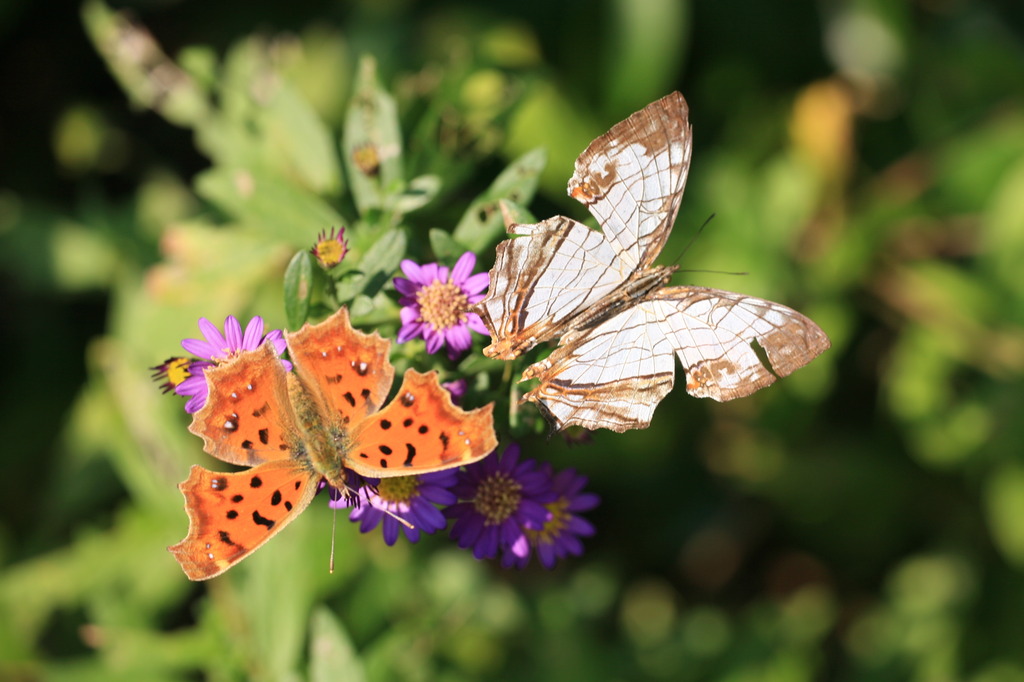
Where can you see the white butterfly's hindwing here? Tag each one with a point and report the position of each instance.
(614, 375)
(619, 325)
(609, 377)
(717, 335)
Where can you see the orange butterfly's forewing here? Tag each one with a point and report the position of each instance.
(247, 418)
(230, 515)
(307, 426)
(349, 369)
(421, 431)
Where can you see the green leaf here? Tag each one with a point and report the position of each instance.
(372, 144)
(298, 288)
(378, 265)
(332, 658)
(482, 225)
(1004, 502)
(420, 192)
(301, 141)
(648, 38)
(277, 208)
(445, 248)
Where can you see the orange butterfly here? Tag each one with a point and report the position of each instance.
(296, 429)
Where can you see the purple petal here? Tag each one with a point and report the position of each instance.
(487, 546)
(233, 332)
(458, 338)
(463, 267)
(434, 339)
(474, 322)
(390, 531)
(253, 334)
(428, 273)
(410, 331)
(195, 403)
(212, 334)
(405, 287)
(409, 315)
(412, 270)
(476, 283)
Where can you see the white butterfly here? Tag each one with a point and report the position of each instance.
(619, 324)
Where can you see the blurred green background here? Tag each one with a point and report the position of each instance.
(864, 160)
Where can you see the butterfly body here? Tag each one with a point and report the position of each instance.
(620, 326)
(313, 424)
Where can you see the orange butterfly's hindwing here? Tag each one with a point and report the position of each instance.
(231, 514)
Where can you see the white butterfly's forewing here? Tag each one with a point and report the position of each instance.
(632, 178)
(542, 278)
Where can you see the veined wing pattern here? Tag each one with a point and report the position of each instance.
(619, 325)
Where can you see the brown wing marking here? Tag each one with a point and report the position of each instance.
(632, 177)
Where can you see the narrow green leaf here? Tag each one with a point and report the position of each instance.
(482, 225)
(298, 288)
(376, 268)
(372, 144)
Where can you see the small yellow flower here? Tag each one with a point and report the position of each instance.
(330, 248)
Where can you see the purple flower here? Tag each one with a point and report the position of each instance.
(435, 304)
(456, 388)
(561, 533)
(409, 498)
(219, 347)
(502, 498)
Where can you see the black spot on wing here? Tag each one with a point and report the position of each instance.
(261, 520)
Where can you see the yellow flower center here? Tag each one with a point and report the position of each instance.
(552, 528)
(330, 252)
(442, 305)
(177, 371)
(398, 489)
(497, 498)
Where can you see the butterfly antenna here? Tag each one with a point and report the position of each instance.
(334, 536)
(396, 517)
(693, 239)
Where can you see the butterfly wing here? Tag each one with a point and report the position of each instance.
(420, 431)
(613, 375)
(348, 371)
(541, 279)
(609, 377)
(247, 418)
(632, 178)
(231, 515)
(717, 335)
